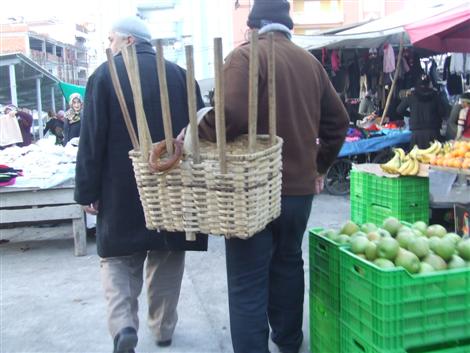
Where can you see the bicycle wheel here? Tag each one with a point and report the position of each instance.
(337, 177)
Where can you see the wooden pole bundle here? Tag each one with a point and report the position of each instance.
(192, 106)
(129, 55)
(165, 101)
(272, 89)
(121, 99)
(253, 91)
(220, 104)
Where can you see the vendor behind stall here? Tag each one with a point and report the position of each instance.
(25, 121)
(463, 124)
(55, 125)
(458, 125)
(426, 113)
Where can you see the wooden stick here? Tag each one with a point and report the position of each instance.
(272, 89)
(395, 77)
(129, 55)
(121, 99)
(253, 91)
(165, 101)
(192, 107)
(220, 104)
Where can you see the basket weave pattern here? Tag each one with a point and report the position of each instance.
(198, 198)
(244, 200)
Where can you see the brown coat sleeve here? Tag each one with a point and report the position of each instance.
(334, 122)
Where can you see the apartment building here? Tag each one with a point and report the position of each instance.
(48, 43)
(313, 16)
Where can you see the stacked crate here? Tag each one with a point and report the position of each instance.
(324, 294)
(391, 311)
(375, 198)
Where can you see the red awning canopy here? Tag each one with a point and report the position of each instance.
(446, 32)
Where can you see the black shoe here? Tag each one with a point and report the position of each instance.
(125, 341)
(165, 343)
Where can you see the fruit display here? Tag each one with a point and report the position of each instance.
(449, 154)
(453, 155)
(416, 247)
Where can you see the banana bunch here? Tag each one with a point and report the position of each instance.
(409, 167)
(425, 156)
(393, 165)
(402, 163)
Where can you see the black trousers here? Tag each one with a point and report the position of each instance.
(266, 282)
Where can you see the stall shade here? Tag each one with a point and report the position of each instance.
(447, 32)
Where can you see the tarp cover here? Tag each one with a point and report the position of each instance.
(447, 32)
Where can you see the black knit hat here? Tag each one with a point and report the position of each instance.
(276, 11)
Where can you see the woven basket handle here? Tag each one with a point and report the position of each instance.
(219, 105)
(192, 107)
(253, 91)
(129, 55)
(272, 89)
(165, 101)
(121, 99)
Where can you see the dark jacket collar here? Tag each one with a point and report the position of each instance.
(142, 48)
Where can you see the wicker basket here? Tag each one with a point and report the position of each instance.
(229, 189)
(242, 201)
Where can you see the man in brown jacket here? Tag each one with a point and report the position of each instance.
(265, 273)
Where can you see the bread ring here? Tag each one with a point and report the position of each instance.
(156, 165)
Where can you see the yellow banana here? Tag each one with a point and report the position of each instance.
(401, 152)
(405, 167)
(415, 168)
(413, 152)
(392, 165)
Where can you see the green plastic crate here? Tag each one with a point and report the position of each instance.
(391, 309)
(324, 269)
(375, 198)
(324, 328)
(353, 343)
(358, 182)
(406, 198)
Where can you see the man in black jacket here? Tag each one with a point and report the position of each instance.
(427, 109)
(106, 186)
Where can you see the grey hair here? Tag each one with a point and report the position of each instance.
(125, 35)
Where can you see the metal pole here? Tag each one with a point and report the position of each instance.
(64, 104)
(39, 104)
(14, 96)
(53, 99)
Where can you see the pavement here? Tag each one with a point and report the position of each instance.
(52, 301)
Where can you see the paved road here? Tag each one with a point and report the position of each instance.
(52, 302)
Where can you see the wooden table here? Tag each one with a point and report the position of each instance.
(25, 205)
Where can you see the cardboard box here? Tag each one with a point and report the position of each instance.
(462, 219)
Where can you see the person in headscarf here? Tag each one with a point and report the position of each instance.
(73, 117)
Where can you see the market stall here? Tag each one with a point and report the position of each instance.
(337, 176)
(42, 189)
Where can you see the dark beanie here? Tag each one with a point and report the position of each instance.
(276, 11)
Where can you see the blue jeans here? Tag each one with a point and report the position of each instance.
(266, 282)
